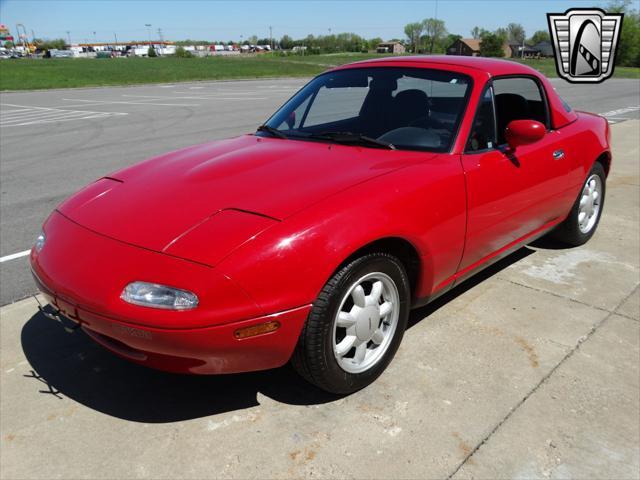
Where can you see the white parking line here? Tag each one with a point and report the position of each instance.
(107, 102)
(207, 97)
(40, 114)
(228, 93)
(620, 111)
(28, 115)
(13, 256)
(619, 115)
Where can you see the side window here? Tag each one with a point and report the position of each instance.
(483, 134)
(335, 104)
(445, 98)
(518, 99)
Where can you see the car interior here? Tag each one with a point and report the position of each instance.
(396, 108)
(509, 106)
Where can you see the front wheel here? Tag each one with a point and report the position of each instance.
(584, 217)
(355, 326)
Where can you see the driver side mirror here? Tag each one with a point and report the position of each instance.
(524, 132)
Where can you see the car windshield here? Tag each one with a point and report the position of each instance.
(380, 107)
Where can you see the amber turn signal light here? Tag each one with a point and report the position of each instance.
(254, 330)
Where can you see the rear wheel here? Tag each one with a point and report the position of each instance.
(355, 326)
(584, 217)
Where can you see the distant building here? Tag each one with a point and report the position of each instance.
(544, 48)
(391, 47)
(471, 48)
(523, 51)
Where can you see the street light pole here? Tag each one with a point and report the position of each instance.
(23, 36)
(148, 25)
(69, 37)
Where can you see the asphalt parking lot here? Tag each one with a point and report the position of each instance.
(529, 371)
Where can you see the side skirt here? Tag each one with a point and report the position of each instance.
(487, 261)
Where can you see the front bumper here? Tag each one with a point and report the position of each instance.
(81, 274)
(210, 350)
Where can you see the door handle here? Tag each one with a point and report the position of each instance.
(558, 155)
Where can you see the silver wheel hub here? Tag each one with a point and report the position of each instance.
(590, 200)
(366, 322)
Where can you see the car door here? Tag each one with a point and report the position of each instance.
(510, 194)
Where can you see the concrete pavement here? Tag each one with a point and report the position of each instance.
(527, 371)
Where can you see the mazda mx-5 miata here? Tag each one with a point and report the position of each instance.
(376, 188)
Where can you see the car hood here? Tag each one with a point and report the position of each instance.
(155, 203)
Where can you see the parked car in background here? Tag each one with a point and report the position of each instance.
(375, 189)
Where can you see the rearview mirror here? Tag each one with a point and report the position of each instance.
(523, 132)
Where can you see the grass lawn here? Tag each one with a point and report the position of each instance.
(28, 74)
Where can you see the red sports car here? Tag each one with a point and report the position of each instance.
(377, 187)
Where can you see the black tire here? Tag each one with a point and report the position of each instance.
(314, 358)
(569, 231)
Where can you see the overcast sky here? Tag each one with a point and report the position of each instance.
(225, 20)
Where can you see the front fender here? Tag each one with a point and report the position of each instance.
(288, 264)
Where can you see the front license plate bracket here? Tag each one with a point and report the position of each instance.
(56, 315)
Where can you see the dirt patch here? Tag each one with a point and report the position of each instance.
(529, 350)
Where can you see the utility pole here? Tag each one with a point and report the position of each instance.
(435, 28)
(95, 39)
(69, 37)
(160, 35)
(116, 37)
(270, 37)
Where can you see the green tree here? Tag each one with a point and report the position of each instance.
(628, 53)
(373, 43)
(286, 42)
(182, 53)
(193, 42)
(435, 32)
(491, 45)
(413, 31)
(151, 52)
(451, 39)
(477, 32)
(55, 44)
(515, 33)
(539, 36)
(502, 33)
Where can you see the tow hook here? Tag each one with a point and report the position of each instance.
(68, 324)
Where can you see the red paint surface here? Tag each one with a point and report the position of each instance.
(256, 226)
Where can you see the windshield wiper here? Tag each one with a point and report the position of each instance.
(350, 137)
(273, 131)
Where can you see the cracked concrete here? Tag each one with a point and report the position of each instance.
(529, 371)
